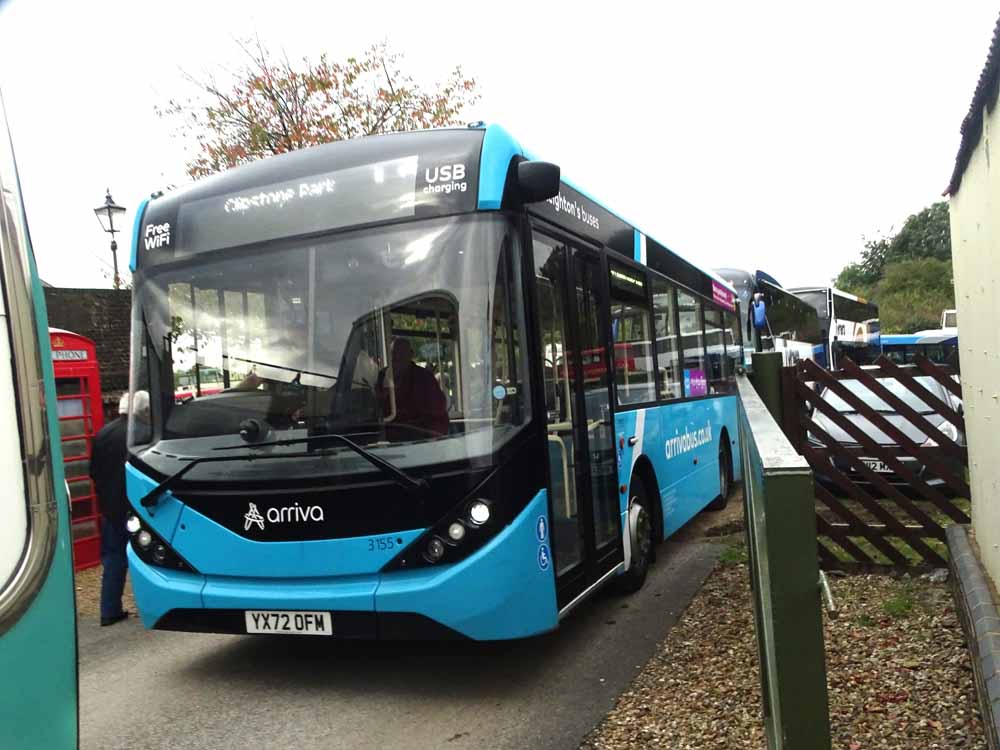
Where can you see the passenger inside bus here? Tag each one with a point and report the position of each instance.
(419, 404)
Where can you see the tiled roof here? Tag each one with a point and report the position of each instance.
(972, 125)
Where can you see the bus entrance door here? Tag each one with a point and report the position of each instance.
(583, 496)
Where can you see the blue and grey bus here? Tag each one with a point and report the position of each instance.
(788, 325)
(940, 346)
(458, 395)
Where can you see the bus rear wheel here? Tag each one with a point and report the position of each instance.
(641, 540)
(725, 479)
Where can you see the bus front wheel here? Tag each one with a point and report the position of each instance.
(640, 520)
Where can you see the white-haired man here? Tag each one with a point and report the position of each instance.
(107, 469)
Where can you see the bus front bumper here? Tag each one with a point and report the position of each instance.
(499, 592)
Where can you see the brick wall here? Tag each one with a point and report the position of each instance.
(103, 315)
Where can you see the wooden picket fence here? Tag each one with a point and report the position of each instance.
(880, 502)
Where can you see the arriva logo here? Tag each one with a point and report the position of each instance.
(253, 517)
(288, 514)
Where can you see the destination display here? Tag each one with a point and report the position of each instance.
(628, 282)
(321, 189)
(383, 191)
(722, 296)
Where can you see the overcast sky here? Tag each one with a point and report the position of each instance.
(770, 137)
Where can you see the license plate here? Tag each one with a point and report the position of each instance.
(876, 465)
(278, 622)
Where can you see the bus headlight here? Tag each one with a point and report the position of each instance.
(435, 550)
(456, 531)
(472, 522)
(479, 512)
(151, 549)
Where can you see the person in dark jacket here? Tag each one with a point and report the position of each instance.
(417, 397)
(107, 469)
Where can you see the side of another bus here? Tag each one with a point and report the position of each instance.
(786, 323)
(38, 677)
(938, 346)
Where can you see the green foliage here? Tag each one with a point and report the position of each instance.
(900, 604)
(861, 278)
(734, 554)
(856, 280)
(913, 293)
(924, 235)
(908, 275)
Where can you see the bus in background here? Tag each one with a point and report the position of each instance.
(436, 440)
(788, 324)
(941, 347)
(198, 381)
(949, 321)
(38, 680)
(849, 324)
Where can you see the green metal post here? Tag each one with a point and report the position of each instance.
(784, 572)
(766, 378)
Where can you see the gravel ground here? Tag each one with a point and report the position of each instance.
(898, 671)
(88, 594)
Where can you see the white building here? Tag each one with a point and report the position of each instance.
(974, 195)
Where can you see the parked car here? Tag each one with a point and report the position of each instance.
(923, 435)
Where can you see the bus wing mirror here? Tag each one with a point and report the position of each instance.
(537, 180)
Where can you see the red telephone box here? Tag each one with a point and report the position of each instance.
(78, 393)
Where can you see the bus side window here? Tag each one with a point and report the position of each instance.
(633, 344)
(715, 350)
(668, 359)
(692, 336)
(733, 355)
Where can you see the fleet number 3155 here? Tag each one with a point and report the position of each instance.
(382, 543)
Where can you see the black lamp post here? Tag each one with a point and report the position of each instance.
(106, 215)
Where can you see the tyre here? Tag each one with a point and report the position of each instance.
(642, 539)
(725, 479)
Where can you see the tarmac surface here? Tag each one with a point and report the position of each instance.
(153, 689)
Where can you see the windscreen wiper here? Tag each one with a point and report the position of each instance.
(404, 480)
(152, 497)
